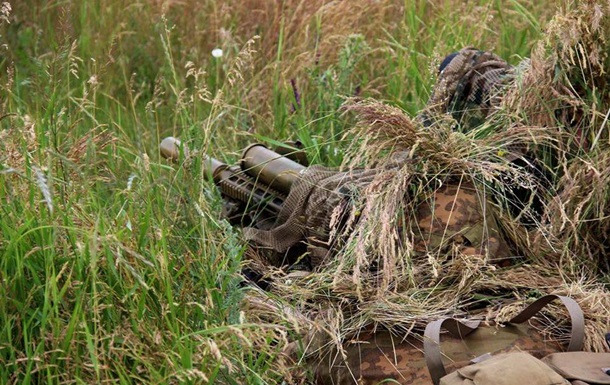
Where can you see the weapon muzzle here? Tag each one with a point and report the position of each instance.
(170, 148)
(212, 167)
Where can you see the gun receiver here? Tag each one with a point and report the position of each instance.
(261, 182)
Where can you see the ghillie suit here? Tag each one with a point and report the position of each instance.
(469, 86)
(325, 207)
(372, 267)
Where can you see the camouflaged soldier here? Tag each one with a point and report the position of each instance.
(455, 219)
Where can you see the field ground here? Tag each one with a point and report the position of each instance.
(114, 265)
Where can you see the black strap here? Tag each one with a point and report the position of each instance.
(460, 329)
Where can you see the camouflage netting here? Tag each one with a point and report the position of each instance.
(398, 256)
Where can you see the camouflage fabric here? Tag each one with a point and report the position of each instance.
(374, 357)
(458, 218)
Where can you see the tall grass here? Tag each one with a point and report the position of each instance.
(114, 265)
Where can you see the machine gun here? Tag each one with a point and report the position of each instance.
(254, 190)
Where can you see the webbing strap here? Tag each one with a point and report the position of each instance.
(577, 318)
(460, 329)
(432, 337)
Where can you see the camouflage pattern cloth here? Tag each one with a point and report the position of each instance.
(458, 218)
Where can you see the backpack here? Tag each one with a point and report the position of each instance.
(576, 368)
(376, 357)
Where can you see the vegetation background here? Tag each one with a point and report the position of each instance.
(114, 266)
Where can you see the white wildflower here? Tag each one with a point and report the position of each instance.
(217, 53)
